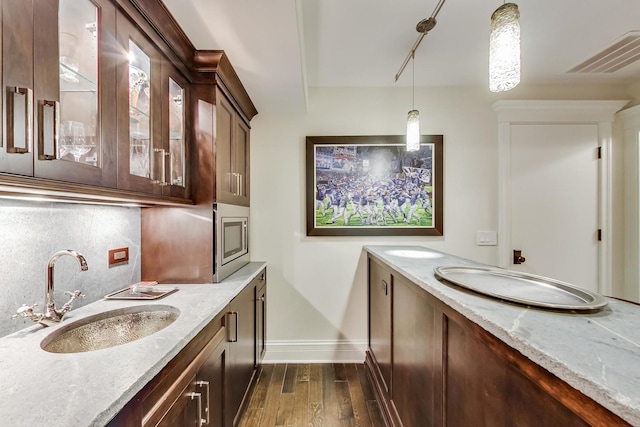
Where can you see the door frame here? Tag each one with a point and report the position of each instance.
(631, 123)
(545, 112)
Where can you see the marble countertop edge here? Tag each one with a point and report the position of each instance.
(620, 404)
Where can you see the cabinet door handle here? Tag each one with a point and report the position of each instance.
(207, 400)
(199, 397)
(49, 130)
(240, 189)
(20, 120)
(163, 181)
(385, 287)
(232, 329)
(170, 154)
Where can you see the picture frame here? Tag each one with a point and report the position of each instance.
(372, 186)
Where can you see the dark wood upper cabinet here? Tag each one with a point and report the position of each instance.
(95, 102)
(232, 154)
(57, 124)
(16, 151)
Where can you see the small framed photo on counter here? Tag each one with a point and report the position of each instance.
(373, 186)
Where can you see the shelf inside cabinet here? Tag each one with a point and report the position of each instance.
(74, 81)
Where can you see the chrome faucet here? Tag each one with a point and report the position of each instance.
(52, 314)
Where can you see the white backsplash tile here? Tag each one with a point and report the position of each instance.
(30, 232)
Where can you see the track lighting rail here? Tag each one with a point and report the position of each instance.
(423, 27)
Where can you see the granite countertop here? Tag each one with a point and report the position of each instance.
(88, 389)
(596, 353)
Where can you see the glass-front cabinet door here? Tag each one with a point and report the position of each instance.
(139, 126)
(73, 109)
(152, 100)
(174, 125)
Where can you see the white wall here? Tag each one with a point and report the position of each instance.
(317, 285)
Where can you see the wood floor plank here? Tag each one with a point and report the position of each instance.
(272, 399)
(285, 410)
(316, 412)
(290, 378)
(367, 390)
(303, 372)
(345, 409)
(339, 372)
(300, 416)
(260, 390)
(329, 397)
(315, 383)
(358, 403)
(251, 418)
(375, 414)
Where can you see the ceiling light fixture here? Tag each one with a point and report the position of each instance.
(504, 48)
(413, 118)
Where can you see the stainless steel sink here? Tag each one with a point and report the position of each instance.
(110, 329)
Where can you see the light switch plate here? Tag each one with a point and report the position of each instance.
(487, 238)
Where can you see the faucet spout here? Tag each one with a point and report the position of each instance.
(52, 314)
(51, 311)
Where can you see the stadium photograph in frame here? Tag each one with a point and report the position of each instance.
(373, 186)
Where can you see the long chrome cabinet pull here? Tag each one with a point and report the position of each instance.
(49, 130)
(232, 329)
(232, 182)
(162, 181)
(20, 119)
(199, 397)
(207, 400)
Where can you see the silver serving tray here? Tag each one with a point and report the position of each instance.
(522, 288)
(141, 293)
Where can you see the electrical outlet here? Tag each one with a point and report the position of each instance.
(118, 256)
(487, 238)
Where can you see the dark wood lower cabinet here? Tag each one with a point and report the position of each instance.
(447, 371)
(416, 361)
(208, 381)
(242, 362)
(380, 322)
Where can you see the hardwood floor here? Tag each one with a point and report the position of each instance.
(314, 395)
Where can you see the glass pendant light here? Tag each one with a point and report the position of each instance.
(413, 118)
(504, 48)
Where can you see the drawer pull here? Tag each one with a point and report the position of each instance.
(208, 399)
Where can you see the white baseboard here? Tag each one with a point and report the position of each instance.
(334, 351)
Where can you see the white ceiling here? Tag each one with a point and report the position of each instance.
(279, 48)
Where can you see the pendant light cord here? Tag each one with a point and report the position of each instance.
(413, 81)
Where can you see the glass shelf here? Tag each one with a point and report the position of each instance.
(133, 111)
(74, 81)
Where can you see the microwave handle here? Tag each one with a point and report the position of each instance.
(246, 234)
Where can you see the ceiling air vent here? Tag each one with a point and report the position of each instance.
(621, 53)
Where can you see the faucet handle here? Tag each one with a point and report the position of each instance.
(75, 294)
(25, 311)
(67, 306)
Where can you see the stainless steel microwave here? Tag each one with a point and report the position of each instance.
(231, 239)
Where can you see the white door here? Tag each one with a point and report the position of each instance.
(554, 201)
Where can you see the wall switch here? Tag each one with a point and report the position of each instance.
(487, 238)
(118, 256)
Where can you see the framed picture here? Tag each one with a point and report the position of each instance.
(372, 186)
